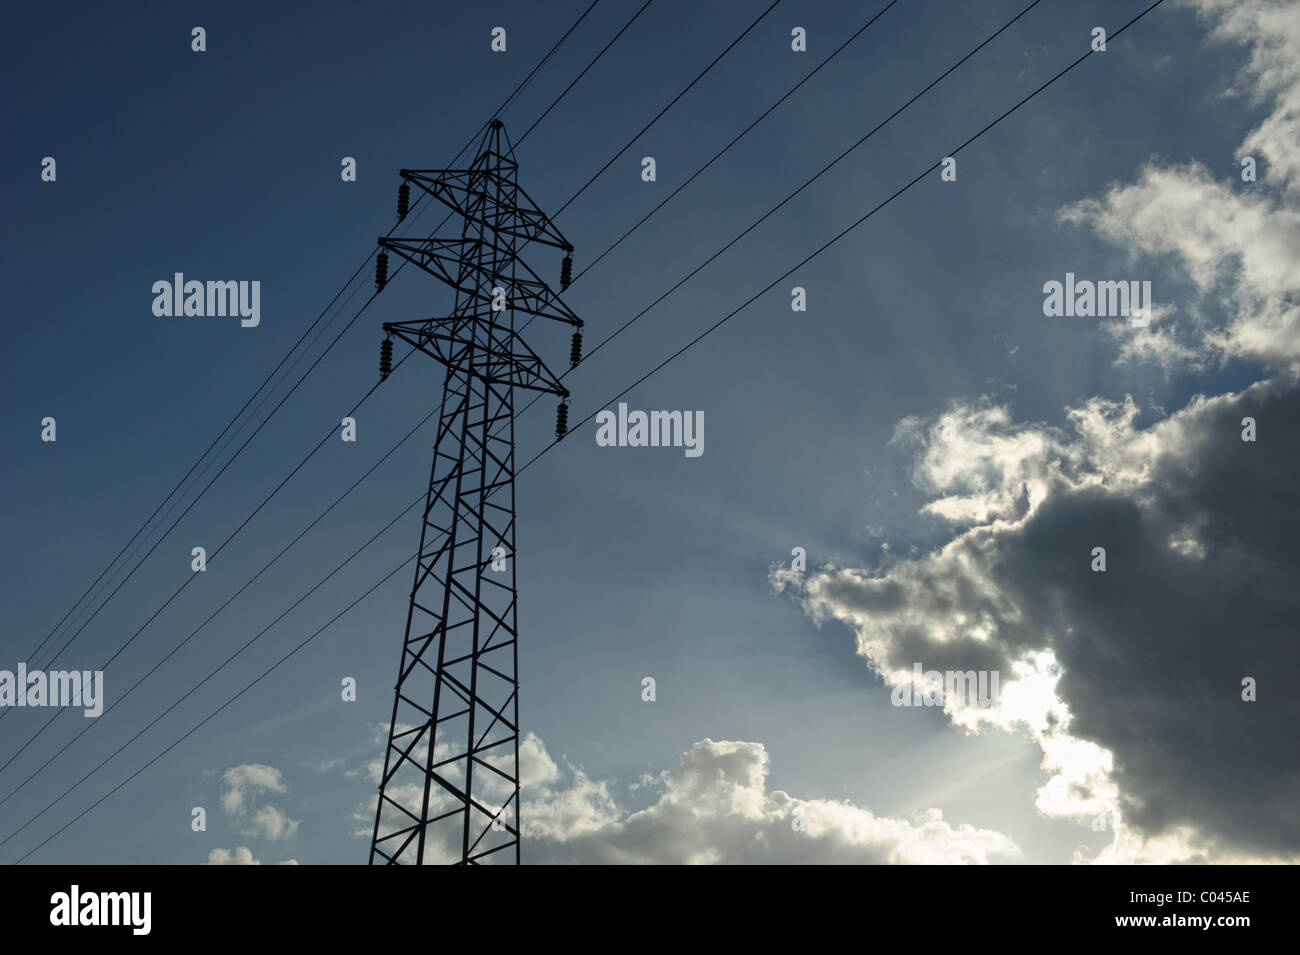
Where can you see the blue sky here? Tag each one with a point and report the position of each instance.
(632, 562)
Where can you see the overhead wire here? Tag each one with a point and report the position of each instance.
(680, 351)
(523, 84)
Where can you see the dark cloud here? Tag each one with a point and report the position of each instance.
(1155, 649)
(1200, 531)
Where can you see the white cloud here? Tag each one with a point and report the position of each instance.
(244, 783)
(1239, 242)
(242, 855)
(271, 823)
(240, 781)
(715, 807)
(1271, 33)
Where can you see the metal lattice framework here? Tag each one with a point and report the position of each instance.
(450, 785)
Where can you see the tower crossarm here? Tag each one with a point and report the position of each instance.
(455, 262)
(463, 191)
(509, 362)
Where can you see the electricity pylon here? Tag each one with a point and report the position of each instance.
(450, 786)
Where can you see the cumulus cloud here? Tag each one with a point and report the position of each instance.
(1237, 245)
(407, 789)
(557, 808)
(242, 784)
(1270, 32)
(242, 855)
(1131, 680)
(240, 781)
(715, 807)
(271, 823)
(1237, 241)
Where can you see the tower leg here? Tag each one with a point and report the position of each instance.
(450, 785)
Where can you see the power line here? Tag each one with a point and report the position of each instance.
(140, 630)
(565, 91)
(206, 487)
(206, 469)
(193, 633)
(213, 673)
(533, 72)
(706, 262)
(122, 582)
(518, 89)
(195, 687)
(219, 709)
(784, 275)
(808, 182)
(739, 136)
(302, 463)
(188, 580)
(751, 227)
(195, 465)
(474, 455)
(259, 507)
(853, 226)
(689, 86)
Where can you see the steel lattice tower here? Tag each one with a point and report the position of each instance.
(450, 786)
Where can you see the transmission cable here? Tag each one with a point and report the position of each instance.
(751, 126)
(266, 500)
(763, 218)
(852, 227)
(518, 89)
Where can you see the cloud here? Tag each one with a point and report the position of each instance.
(1160, 345)
(244, 783)
(1237, 241)
(715, 807)
(1128, 680)
(407, 788)
(1131, 680)
(1271, 33)
(240, 781)
(240, 856)
(271, 823)
(1238, 245)
(556, 809)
